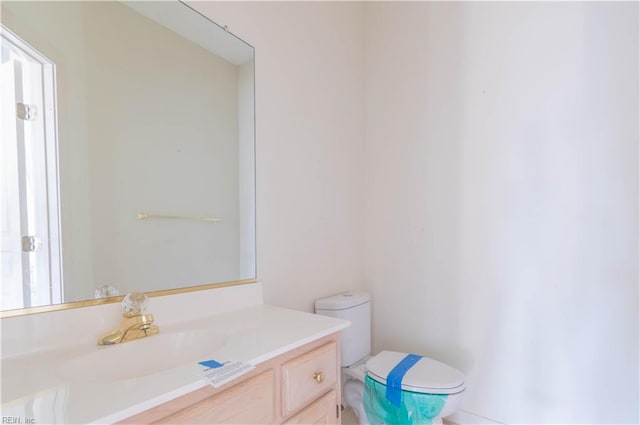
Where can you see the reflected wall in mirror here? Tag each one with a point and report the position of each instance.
(127, 127)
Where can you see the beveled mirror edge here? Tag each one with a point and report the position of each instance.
(110, 300)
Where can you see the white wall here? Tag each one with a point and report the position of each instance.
(502, 200)
(309, 143)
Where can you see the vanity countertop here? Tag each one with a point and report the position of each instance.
(52, 387)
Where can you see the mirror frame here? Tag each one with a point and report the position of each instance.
(110, 300)
(119, 298)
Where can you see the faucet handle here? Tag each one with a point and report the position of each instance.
(106, 291)
(134, 304)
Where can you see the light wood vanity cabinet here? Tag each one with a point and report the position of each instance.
(230, 406)
(322, 411)
(301, 386)
(319, 365)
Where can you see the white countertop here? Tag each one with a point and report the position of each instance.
(37, 386)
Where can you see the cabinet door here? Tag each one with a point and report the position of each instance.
(307, 377)
(323, 411)
(251, 402)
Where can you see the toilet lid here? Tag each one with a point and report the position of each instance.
(426, 376)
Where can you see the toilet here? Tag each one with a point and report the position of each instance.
(426, 380)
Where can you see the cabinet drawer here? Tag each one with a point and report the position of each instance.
(251, 402)
(320, 412)
(307, 377)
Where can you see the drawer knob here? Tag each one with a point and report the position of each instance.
(319, 377)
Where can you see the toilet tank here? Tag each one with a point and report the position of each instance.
(355, 341)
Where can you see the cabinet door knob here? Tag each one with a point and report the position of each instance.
(319, 377)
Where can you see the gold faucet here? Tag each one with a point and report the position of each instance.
(135, 324)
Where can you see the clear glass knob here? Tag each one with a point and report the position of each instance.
(106, 291)
(134, 304)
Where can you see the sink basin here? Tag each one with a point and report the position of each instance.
(142, 357)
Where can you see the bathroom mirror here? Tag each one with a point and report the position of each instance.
(127, 157)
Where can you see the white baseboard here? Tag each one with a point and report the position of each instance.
(462, 417)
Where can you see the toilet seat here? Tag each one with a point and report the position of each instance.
(426, 376)
(357, 370)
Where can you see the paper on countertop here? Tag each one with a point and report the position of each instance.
(218, 374)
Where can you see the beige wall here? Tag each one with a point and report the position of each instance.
(501, 187)
(502, 201)
(310, 143)
(157, 133)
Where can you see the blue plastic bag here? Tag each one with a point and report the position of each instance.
(415, 408)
